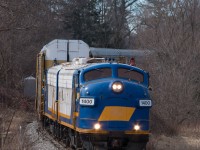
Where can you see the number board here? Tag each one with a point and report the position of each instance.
(145, 103)
(87, 101)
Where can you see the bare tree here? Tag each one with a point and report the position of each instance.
(24, 27)
(171, 29)
(119, 14)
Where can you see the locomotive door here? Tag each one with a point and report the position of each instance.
(74, 97)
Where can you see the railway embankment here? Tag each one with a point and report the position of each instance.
(19, 129)
(25, 132)
(40, 139)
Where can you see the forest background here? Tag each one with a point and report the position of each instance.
(169, 28)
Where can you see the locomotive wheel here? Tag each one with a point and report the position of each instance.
(67, 142)
(136, 146)
(66, 138)
(71, 145)
(87, 146)
(76, 143)
(44, 123)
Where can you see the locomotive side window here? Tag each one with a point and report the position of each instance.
(98, 73)
(130, 75)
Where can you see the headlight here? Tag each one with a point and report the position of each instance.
(136, 127)
(117, 86)
(97, 126)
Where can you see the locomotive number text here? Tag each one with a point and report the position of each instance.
(145, 103)
(87, 101)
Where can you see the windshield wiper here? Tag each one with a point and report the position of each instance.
(128, 70)
(98, 70)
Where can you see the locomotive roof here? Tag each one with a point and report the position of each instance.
(67, 70)
(67, 66)
(107, 64)
(73, 67)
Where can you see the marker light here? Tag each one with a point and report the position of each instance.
(117, 86)
(97, 126)
(136, 127)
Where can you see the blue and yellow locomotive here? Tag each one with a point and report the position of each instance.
(94, 105)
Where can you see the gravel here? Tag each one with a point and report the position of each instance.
(39, 139)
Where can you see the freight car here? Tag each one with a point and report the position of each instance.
(93, 105)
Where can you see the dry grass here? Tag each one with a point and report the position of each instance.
(15, 113)
(14, 123)
(162, 142)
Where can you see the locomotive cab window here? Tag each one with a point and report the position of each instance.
(131, 75)
(97, 73)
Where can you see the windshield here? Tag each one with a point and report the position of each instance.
(130, 74)
(98, 73)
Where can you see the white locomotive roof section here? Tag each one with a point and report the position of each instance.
(76, 63)
(52, 75)
(58, 49)
(74, 67)
(65, 78)
(66, 74)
